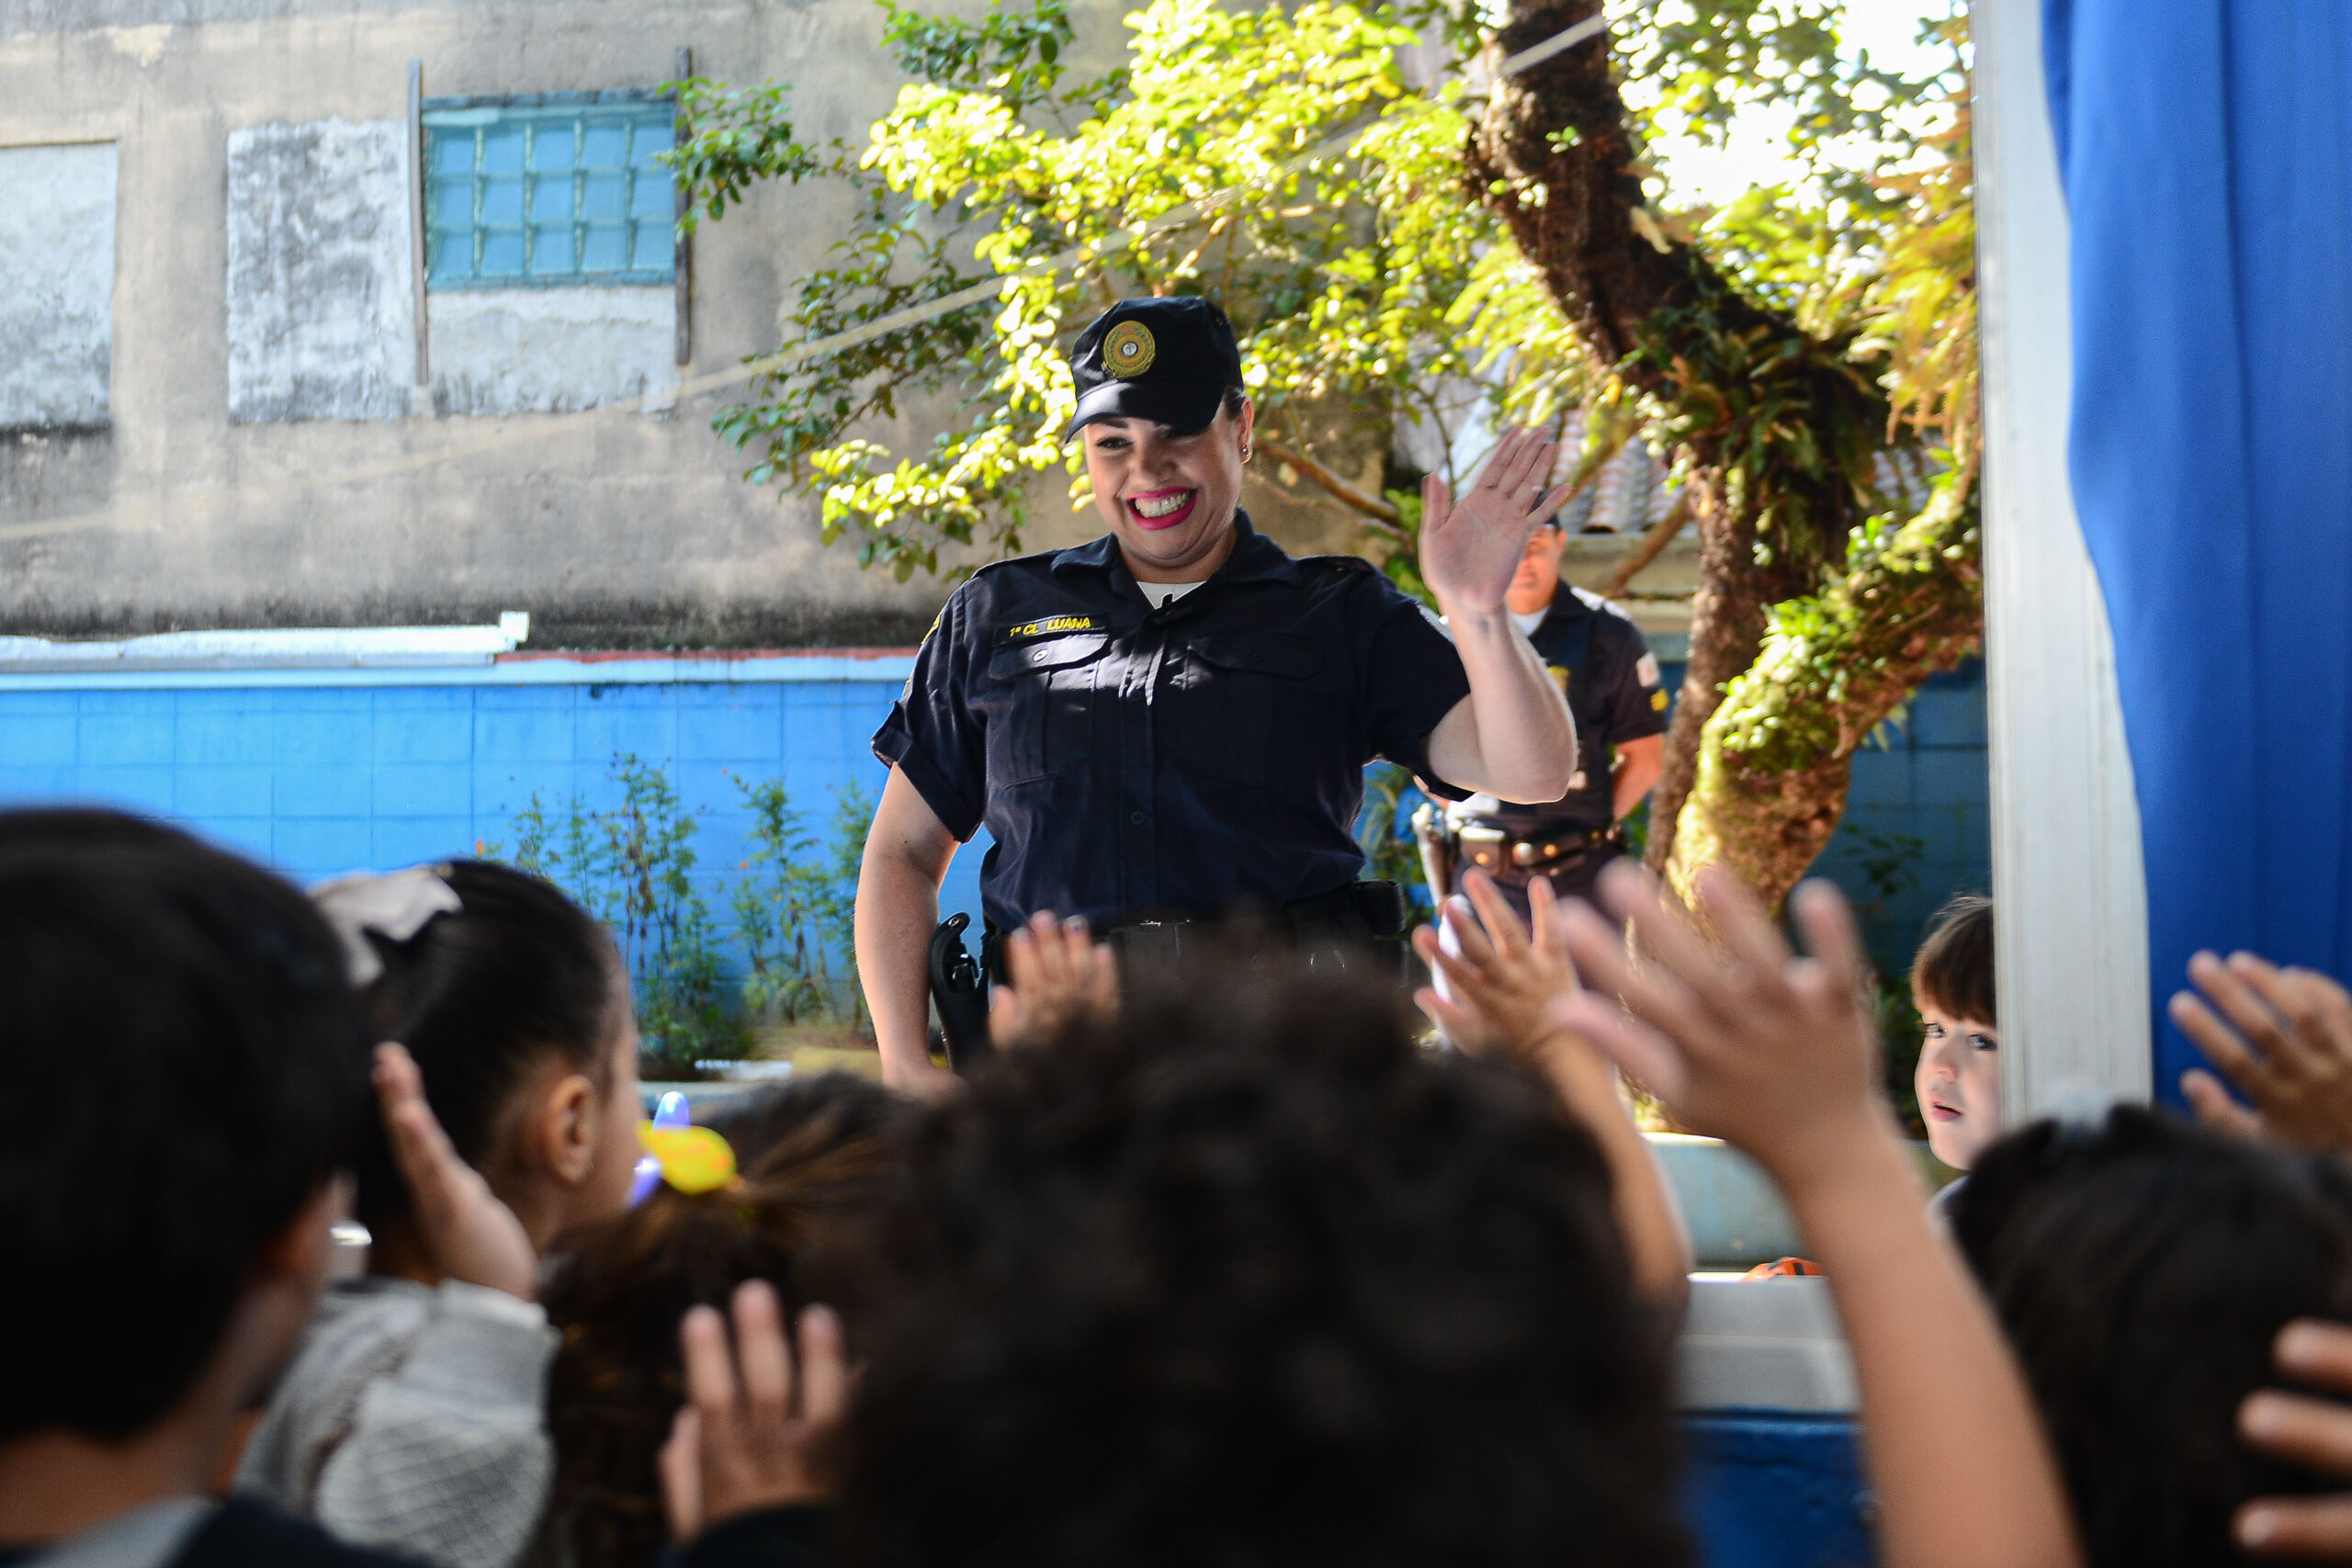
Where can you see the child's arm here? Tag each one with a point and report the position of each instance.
(446, 1453)
(1503, 983)
(1777, 1054)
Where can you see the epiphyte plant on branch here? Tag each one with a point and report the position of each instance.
(1466, 251)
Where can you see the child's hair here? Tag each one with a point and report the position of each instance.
(1246, 1279)
(2141, 1268)
(181, 1067)
(483, 996)
(1953, 971)
(813, 1156)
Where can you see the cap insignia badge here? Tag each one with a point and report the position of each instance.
(1128, 351)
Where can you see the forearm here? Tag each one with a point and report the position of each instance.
(1657, 1243)
(1639, 764)
(898, 907)
(1946, 1413)
(1526, 743)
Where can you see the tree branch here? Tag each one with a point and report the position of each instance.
(1661, 533)
(1376, 514)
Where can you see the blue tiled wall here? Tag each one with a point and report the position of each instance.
(1920, 795)
(389, 769)
(333, 771)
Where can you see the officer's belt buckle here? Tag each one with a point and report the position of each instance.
(1529, 852)
(1486, 847)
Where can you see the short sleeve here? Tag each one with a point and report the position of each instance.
(932, 735)
(1637, 696)
(1415, 679)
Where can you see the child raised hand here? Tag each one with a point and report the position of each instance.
(466, 1233)
(1058, 978)
(757, 1431)
(1504, 979)
(1778, 1053)
(2282, 1036)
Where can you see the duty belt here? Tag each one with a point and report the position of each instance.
(1497, 850)
(1360, 918)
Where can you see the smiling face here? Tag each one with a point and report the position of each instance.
(1170, 499)
(1958, 1082)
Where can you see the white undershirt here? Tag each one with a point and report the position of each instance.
(1158, 593)
(1529, 622)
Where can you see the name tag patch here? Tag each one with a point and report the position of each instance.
(1046, 626)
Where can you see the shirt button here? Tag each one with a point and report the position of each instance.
(1136, 817)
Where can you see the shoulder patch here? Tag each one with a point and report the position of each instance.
(1646, 669)
(1043, 626)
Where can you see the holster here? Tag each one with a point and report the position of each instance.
(1436, 845)
(959, 989)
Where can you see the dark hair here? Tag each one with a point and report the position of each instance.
(2141, 1268)
(184, 1068)
(1234, 398)
(813, 1156)
(481, 997)
(1253, 1280)
(1953, 971)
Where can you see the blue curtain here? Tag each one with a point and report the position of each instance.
(2206, 147)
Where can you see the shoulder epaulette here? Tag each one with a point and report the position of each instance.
(1595, 602)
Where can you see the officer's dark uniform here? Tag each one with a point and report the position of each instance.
(1604, 665)
(1140, 764)
(1148, 767)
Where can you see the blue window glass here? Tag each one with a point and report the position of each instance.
(558, 189)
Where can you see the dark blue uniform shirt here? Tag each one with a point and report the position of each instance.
(1605, 668)
(1180, 762)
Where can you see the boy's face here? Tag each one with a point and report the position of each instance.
(1959, 1083)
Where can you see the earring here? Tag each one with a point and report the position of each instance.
(1244, 453)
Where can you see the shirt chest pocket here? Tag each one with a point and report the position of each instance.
(1045, 723)
(1257, 707)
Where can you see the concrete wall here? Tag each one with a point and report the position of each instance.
(251, 473)
(628, 530)
(550, 350)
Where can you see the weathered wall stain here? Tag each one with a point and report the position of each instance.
(56, 286)
(551, 350)
(319, 320)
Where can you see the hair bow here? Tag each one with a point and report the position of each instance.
(679, 1155)
(394, 905)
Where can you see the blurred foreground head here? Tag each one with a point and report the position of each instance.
(1250, 1279)
(2141, 1268)
(181, 1067)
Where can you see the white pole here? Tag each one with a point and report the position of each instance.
(2067, 880)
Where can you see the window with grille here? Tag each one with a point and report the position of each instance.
(563, 188)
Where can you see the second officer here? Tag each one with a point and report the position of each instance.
(1605, 668)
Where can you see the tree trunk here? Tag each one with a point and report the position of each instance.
(1778, 753)
(1782, 430)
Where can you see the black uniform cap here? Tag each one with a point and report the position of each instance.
(1169, 361)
